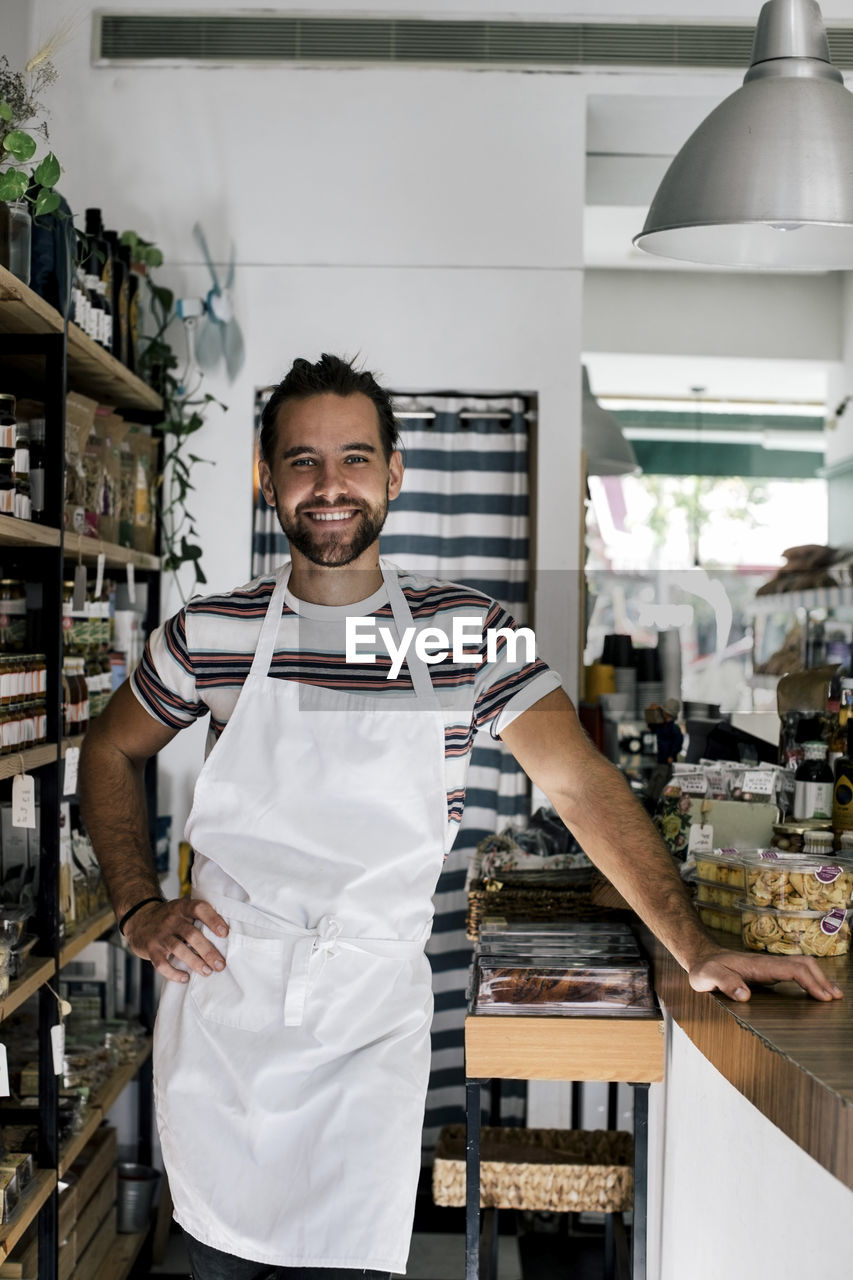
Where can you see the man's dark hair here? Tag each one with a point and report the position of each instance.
(329, 374)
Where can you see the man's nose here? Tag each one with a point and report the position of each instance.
(330, 481)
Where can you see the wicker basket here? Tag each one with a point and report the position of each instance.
(555, 1170)
(534, 895)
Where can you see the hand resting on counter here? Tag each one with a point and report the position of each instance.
(730, 971)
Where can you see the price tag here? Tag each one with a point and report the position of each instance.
(24, 801)
(4, 1073)
(701, 838)
(57, 1044)
(759, 782)
(69, 778)
(78, 599)
(131, 583)
(99, 575)
(692, 784)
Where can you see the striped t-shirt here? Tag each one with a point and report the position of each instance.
(196, 663)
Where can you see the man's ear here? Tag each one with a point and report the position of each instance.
(395, 474)
(265, 481)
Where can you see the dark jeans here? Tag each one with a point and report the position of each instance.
(212, 1264)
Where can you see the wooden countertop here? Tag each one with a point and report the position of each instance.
(789, 1055)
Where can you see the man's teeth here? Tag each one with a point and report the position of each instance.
(331, 515)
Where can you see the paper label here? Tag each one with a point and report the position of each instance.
(692, 784)
(99, 575)
(701, 838)
(131, 583)
(827, 875)
(759, 783)
(769, 855)
(69, 777)
(57, 1044)
(24, 801)
(833, 920)
(4, 1073)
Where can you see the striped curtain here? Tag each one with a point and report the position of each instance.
(462, 515)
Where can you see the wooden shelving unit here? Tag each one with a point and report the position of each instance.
(122, 1256)
(41, 357)
(36, 1196)
(90, 932)
(101, 1104)
(90, 368)
(38, 971)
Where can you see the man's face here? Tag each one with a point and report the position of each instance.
(328, 479)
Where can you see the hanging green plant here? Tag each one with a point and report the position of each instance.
(19, 105)
(184, 413)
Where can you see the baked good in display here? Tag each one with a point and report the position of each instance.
(798, 883)
(791, 933)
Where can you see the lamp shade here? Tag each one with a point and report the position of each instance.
(767, 179)
(607, 451)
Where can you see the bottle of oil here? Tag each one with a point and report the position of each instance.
(842, 793)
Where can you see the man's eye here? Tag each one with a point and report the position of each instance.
(303, 462)
(356, 457)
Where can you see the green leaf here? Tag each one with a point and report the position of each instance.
(153, 256)
(199, 576)
(47, 173)
(13, 185)
(47, 201)
(5, 110)
(189, 551)
(164, 296)
(19, 144)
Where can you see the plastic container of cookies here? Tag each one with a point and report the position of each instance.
(798, 882)
(795, 933)
(712, 894)
(723, 866)
(724, 919)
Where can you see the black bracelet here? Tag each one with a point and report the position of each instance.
(133, 910)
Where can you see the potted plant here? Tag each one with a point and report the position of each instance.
(26, 184)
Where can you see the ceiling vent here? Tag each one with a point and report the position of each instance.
(134, 39)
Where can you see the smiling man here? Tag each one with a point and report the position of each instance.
(291, 1049)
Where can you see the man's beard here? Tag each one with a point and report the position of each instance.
(333, 551)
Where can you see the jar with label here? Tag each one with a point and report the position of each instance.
(21, 471)
(813, 784)
(37, 460)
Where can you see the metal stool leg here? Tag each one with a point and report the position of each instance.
(641, 1180)
(472, 1180)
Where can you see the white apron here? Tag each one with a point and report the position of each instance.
(290, 1087)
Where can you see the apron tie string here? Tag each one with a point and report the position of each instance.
(321, 941)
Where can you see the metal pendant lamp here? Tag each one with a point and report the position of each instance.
(767, 179)
(607, 451)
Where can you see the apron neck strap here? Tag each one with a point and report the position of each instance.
(418, 669)
(269, 628)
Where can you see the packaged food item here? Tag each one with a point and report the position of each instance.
(22, 1165)
(798, 882)
(710, 893)
(12, 921)
(9, 1194)
(723, 866)
(790, 837)
(814, 784)
(795, 933)
(725, 919)
(538, 985)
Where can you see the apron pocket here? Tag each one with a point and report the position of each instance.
(249, 992)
